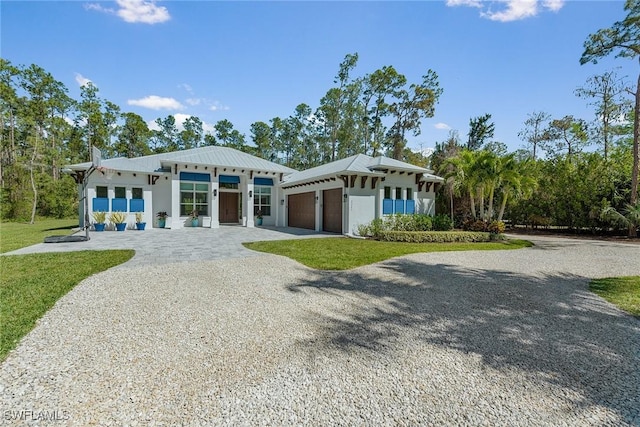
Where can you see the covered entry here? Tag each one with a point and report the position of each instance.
(302, 210)
(332, 210)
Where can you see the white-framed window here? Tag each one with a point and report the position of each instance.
(387, 192)
(136, 193)
(262, 200)
(409, 193)
(120, 192)
(194, 196)
(399, 193)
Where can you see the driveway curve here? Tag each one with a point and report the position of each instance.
(456, 338)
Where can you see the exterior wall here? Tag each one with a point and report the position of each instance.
(360, 206)
(128, 181)
(161, 199)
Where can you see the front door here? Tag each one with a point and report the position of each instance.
(228, 207)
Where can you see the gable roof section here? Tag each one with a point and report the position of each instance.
(211, 156)
(360, 164)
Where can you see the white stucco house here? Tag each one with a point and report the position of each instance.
(227, 186)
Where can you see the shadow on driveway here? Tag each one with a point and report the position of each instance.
(550, 326)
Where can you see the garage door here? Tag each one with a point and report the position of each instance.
(302, 210)
(332, 210)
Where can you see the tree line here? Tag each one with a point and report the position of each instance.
(554, 181)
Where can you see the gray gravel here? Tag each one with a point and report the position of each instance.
(466, 338)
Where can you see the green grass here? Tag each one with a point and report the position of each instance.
(345, 253)
(16, 235)
(31, 284)
(621, 291)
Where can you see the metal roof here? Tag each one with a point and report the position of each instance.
(359, 164)
(210, 156)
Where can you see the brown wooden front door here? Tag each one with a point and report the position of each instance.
(228, 207)
(302, 210)
(332, 210)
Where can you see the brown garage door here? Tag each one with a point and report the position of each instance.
(302, 210)
(332, 210)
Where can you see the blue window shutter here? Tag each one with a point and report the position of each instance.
(399, 206)
(100, 204)
(263, 181)
(229, 179)
(411, 207)
(192, 176)
(136, 205)
(118, 205)
(387, 207)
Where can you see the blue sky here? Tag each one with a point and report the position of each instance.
(251, 61)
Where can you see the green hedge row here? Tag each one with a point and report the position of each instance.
(438, 236)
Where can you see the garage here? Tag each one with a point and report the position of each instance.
(332, 210)
(302, 210)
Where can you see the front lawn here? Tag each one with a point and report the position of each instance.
(345, 253)
(16, 235)
(31, 284)
(621, 291)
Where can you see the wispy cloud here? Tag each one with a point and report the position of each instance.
(135, 11)
(181, 118)
(82, 80)
(193, 101)
(156, 103)
(442, 126)
(217, 106)
(510, 10)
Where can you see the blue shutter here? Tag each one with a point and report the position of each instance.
(100, 204)
(136, 205)
(387, 207)
(398, 206)
(411, 207)
(263, 181)
(118, 205)
(229, 179)
(192, 176)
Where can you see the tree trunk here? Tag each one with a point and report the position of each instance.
(34, 188)
(503, 205)
(636, 155)
(473, 204)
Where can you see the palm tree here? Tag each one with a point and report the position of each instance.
(629, 217)
(517, 180)
(462, 175)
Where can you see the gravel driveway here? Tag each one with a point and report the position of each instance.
(458, 338)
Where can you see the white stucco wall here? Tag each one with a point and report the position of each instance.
(128, 180)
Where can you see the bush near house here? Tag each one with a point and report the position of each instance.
(400, 222)
(436, 236)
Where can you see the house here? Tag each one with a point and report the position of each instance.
(227, 186)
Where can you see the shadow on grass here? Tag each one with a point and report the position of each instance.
(63, 228)
(550, 326)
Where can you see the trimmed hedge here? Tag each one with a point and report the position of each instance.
(437, 236)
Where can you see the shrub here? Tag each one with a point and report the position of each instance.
(442, 223)
(435, 236)
(117, 217)
(496, 227)
(423, 222)
(474, 225)
(99, 217)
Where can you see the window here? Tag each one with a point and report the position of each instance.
(120, 193)
(398, 193)
(387, 192)
(409, 193)
(102, 192)
(194, 196)
(136, 193)
(229, 185)
(262, 200)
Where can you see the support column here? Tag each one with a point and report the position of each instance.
(175, 203)
(215, 203)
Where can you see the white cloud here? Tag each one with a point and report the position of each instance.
(217, 106)
(515, 11)
(193, 101)
(186, 87)
(509, 10)
(181, 118)
(470, 3)
(135, 11)
(82, 80)
(156, 103)
(553, 5)
(442, 126)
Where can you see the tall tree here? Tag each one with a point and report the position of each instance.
(566, 134)
(605, 92)
(228, 136)
(623, 38)
(192, 133)
(133, 137)
(480, 129)
(409, 108)
(533, 133)
(166, 137)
